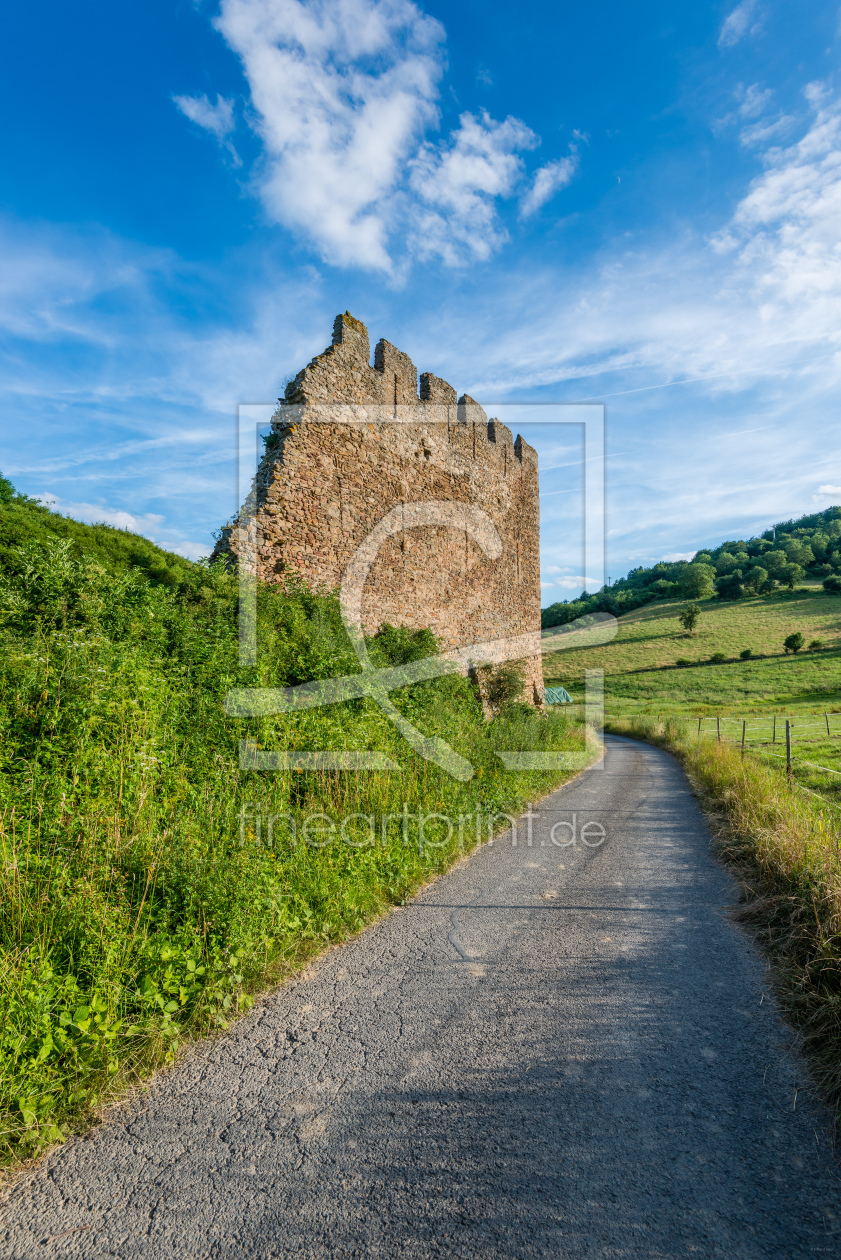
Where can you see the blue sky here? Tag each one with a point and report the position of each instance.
(634, 204)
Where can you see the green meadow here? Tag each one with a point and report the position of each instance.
(642, 674)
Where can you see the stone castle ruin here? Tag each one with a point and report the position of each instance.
(452, 502)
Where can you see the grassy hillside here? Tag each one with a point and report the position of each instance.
(784, 556)
(641, 674)
(23, 521)
(148, 882)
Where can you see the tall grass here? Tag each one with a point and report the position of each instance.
(785, 848)
(149, 884)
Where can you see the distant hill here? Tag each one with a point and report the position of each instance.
(790, 552)
(24, 520)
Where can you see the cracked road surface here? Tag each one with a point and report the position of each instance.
(550, 1052)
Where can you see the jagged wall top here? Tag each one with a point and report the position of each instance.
(343, 373)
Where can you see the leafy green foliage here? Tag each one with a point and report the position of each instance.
(696, 581)
(689, 616)
(502, 684)
(148, 881)
(23, 521)
(793, 642)
(730, 587)
(783, 556)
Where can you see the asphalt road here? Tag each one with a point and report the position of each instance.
(564, 1052)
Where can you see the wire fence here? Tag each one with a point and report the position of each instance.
(763, 735)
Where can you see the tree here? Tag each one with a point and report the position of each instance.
(756, 577)
(688, 617)
(793, 642)
(696, 581)
(832, 584)
(7, 490)
(730, 587)
(774, 560)
(789, 574)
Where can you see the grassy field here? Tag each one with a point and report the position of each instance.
(641, 675)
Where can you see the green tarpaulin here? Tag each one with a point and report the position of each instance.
(558, 695)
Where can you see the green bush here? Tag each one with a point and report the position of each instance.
(149, 879)
(717, 658)
(746, 654)
(793, 642)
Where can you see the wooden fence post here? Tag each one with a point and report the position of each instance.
(700, 720)
(788, 751)
(744, 724)
(826, 716)
(718, 726)
(774, 739)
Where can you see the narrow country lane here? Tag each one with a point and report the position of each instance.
(559, 1052)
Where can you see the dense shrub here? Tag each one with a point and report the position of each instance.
(150, 879)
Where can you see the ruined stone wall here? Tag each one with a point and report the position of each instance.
(351, 443)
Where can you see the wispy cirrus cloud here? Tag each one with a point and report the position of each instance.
(344, 95)
(218, 119)
(739, 23)
(548, 180)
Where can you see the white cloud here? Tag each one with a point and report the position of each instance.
(343, 95)
(96, 513)
(150, 525)
(672, 556)
(548, 180)
(754, 100)
(829, 489)
(761, 132)
(576, 584)
(342, 91)
(459, 182)
(738, 24)
(218, 119)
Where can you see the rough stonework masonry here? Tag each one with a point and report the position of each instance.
(350, 443)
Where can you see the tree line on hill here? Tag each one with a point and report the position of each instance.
(781, 557)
